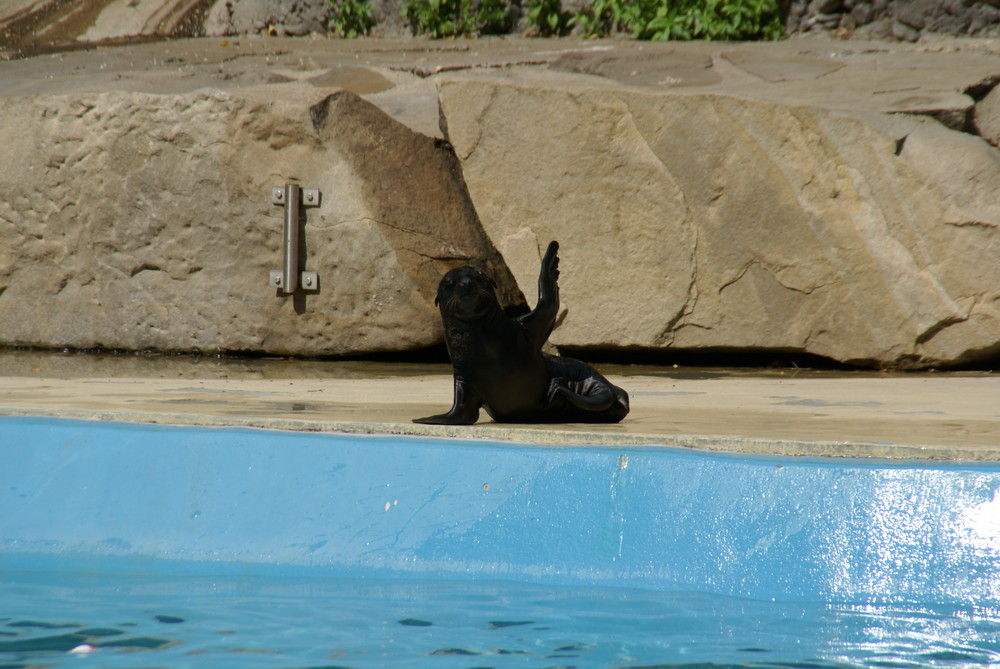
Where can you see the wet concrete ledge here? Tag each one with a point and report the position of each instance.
(944, 418)
(534, 436)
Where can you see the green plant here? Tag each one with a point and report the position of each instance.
(350, 18)
(643, 19)
(683, 19)
(491, 16)
(732, 20)
(546, 16)
(451, 18)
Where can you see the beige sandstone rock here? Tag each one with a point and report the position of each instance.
(986, 117)
(140, 221)
(696, 221)
(123, 18)
(792, 195)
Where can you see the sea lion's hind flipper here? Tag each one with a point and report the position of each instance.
(584, 395)
(464, 411)
(596, 399)
(597, 404)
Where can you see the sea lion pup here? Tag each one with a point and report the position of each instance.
(498, 361)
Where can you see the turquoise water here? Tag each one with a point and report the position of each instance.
(154, 546)
(296, 621)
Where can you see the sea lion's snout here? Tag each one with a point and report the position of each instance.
(466, 294)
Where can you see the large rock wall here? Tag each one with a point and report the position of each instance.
(706, 198)
(137, 221)
(705, 221)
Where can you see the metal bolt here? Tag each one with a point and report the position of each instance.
(308, 282)
(309, 197)
(276, 280)
(280, 195)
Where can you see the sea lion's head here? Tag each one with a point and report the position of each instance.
(466, 294)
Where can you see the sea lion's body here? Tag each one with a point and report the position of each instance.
(499, 364)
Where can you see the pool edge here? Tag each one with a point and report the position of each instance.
(545, 435)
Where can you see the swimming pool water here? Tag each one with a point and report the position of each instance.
(296, 622)
(192, 547)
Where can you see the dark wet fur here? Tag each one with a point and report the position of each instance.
(499, 364)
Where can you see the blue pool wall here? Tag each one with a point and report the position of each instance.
(95, 493)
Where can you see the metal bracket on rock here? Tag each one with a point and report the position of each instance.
(289, 279)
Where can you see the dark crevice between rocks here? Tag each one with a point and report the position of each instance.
(319, 111)
(980, 90)
(431, 354)
(956, 119)
(985, 360)
(900, 143)
(192, 23)
(717, 357)
(436, 354)
(932, 332)
(978, 93)
(962, 120)
(144, 267)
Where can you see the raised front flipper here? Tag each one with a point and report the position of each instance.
(464, 411)
(539, 322)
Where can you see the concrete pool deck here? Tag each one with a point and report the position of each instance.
(928, 416)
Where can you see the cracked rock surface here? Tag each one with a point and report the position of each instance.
(140, 221)
(815, 196)
(700, 221)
